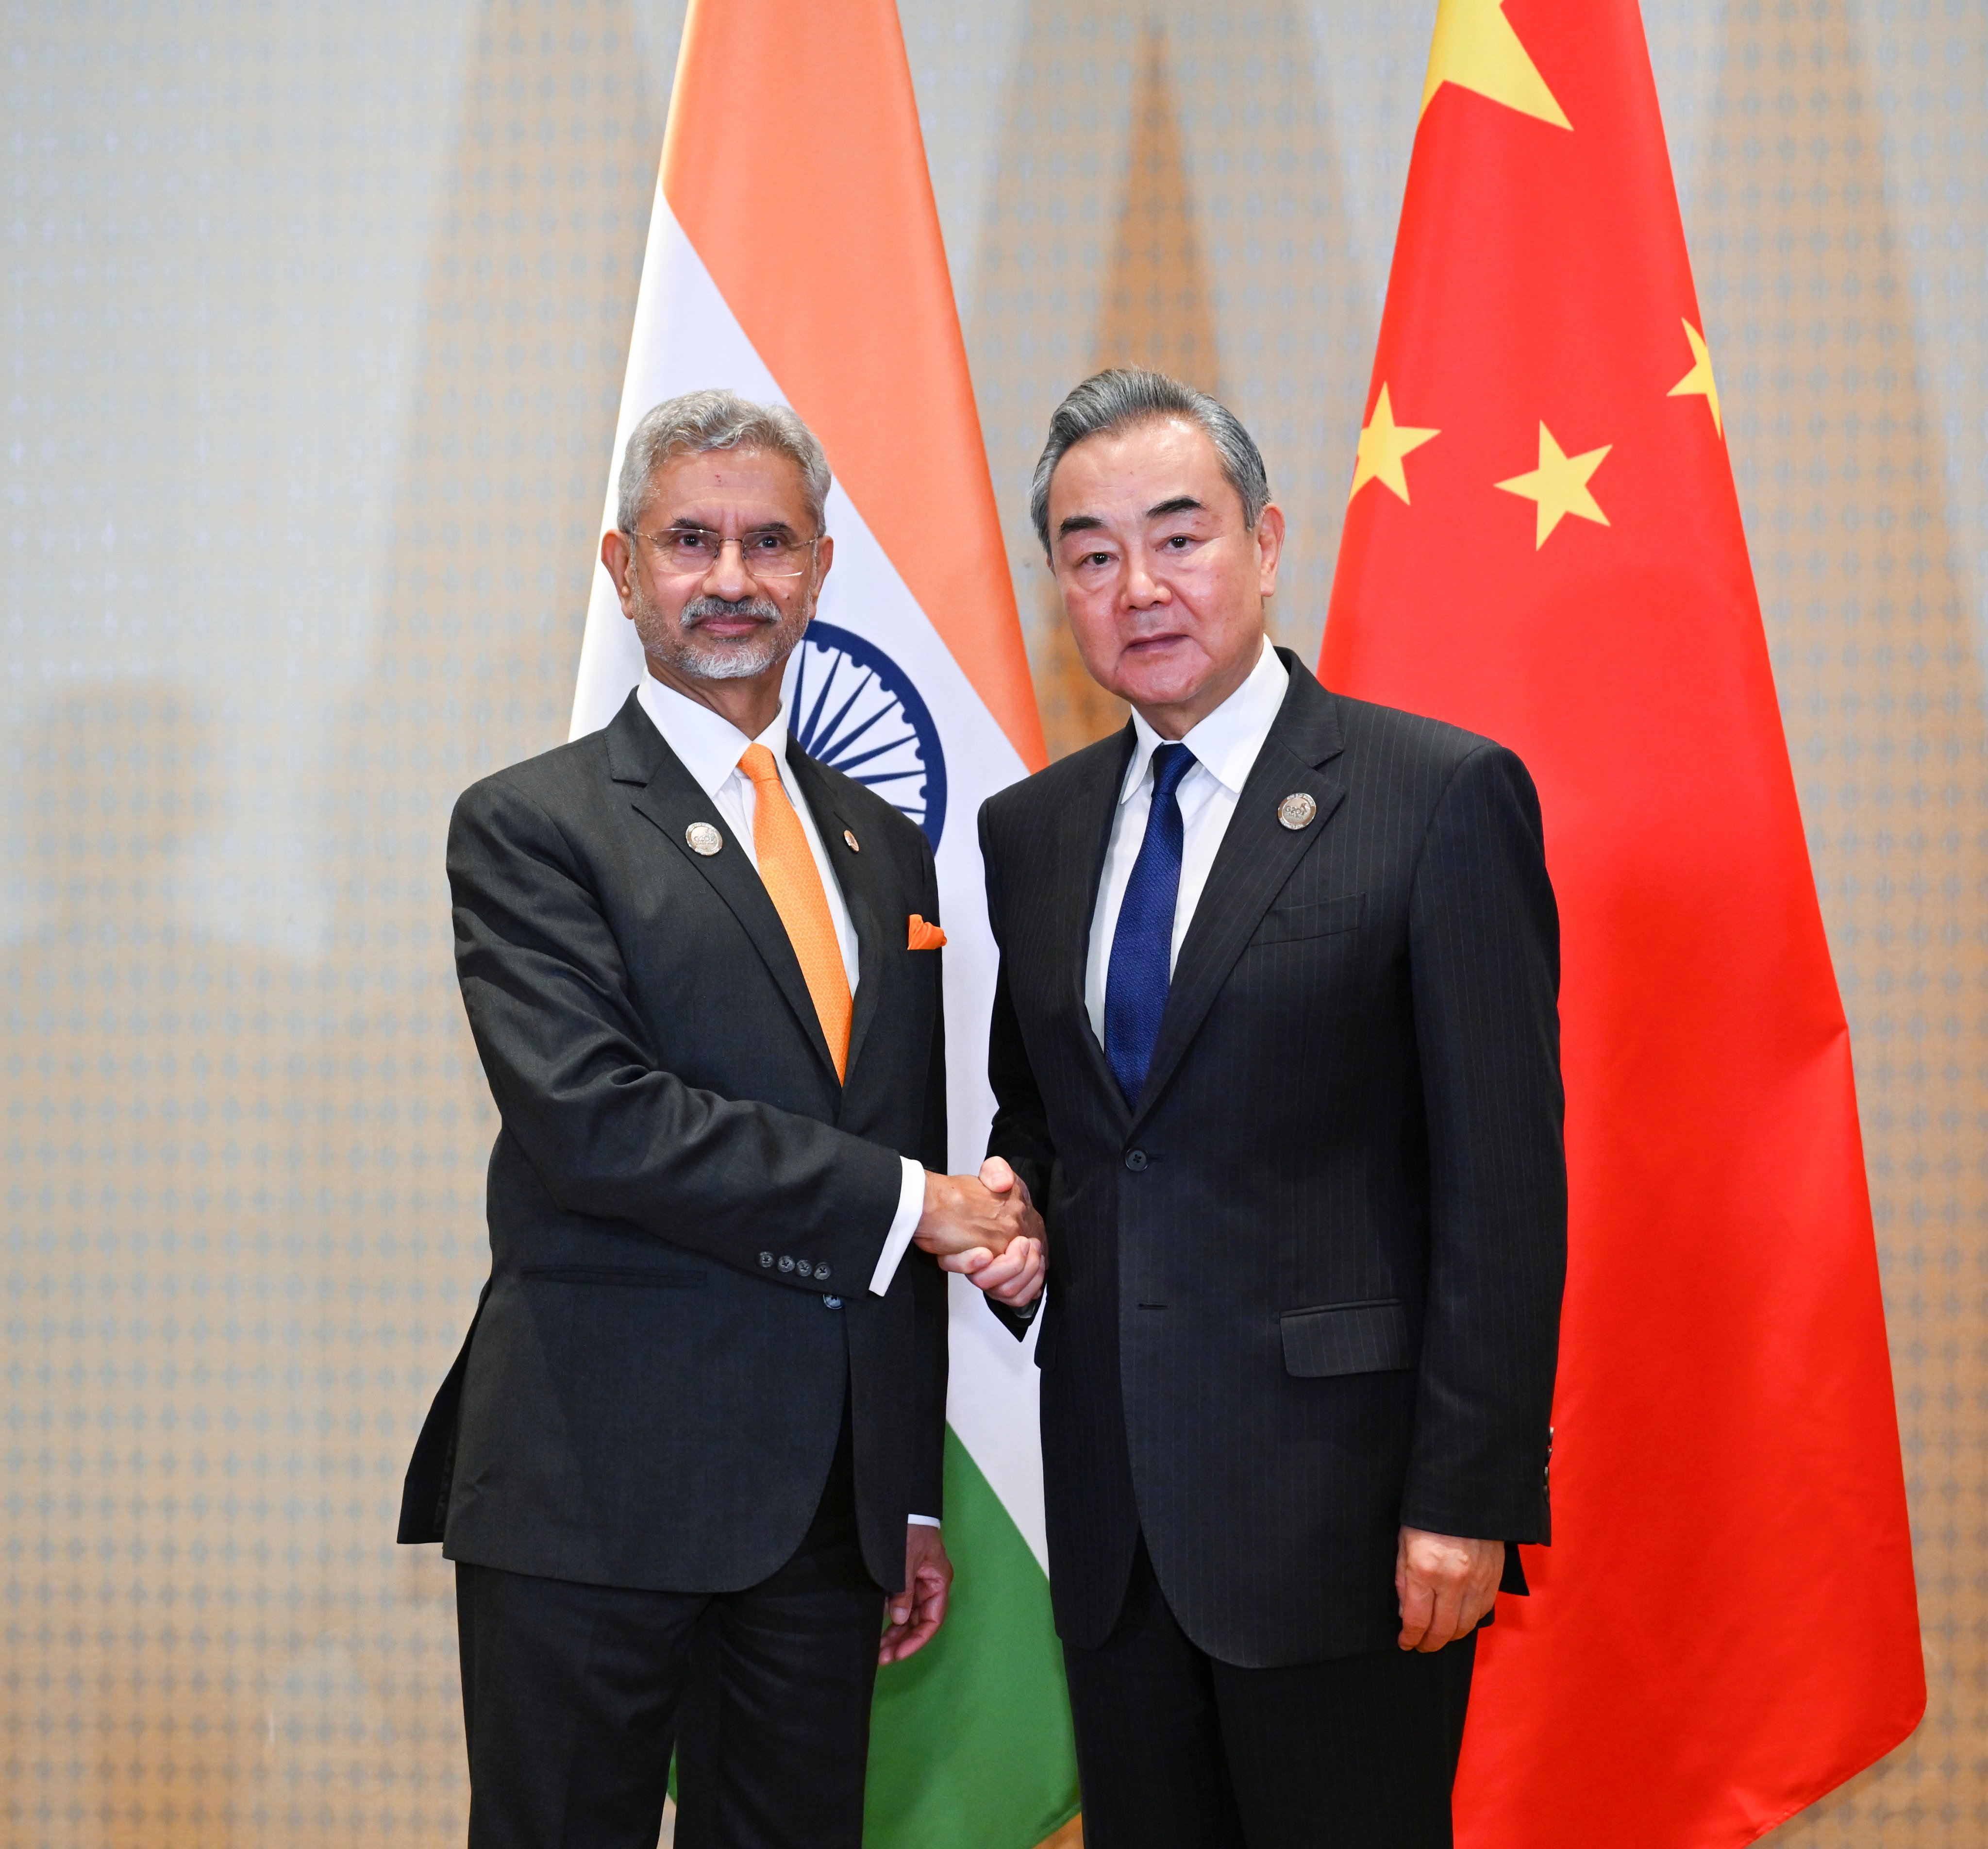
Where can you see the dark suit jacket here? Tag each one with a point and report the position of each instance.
(1308, 1289)
(685, 1207)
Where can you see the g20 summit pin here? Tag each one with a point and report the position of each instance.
(1297, 809)
(703, 837)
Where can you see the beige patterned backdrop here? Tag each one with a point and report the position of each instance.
(316, 318)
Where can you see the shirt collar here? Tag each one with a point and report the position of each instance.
(1226, 743)
(709, 745)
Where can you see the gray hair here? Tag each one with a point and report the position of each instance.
(1123, 396)
(717, 419)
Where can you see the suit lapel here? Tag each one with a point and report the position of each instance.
(1255, 861)
(1083, 835)
(863, 878)
(669, 797)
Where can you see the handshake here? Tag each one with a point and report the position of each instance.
(986, 1228)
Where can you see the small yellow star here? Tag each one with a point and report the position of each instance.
(1476, 48)
(1382, 445)
(1699, 378)
(1560, 485)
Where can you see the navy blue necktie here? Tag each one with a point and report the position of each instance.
(1136, 982)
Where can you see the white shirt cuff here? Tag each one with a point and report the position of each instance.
(922, 1521)
(911, 1210)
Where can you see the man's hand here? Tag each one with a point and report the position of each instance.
(964, 1218)
(1015, 1277)
(916, 1612)
(1444, 1586)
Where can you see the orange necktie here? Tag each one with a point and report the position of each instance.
(793, 883)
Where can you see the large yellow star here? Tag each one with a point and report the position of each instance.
(1560, 485)
(1699, 378)
(1382, 445)
(1475, 48)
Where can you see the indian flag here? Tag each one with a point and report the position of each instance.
(794, 255)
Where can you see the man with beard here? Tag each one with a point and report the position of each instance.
(699, 1424)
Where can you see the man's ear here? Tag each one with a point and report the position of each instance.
(1270, 546)
(617, 555)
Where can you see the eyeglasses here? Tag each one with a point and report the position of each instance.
(693, 551)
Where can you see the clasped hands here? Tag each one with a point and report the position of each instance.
(986, 1228)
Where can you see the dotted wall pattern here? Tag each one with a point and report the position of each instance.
(1808, 302)
(244, 1225)
(1169, 190)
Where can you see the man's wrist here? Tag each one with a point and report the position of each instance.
(903, 1224)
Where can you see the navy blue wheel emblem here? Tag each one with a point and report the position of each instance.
(853, 707)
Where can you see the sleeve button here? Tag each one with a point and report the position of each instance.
(786, 1264)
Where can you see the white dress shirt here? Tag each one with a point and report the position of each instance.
(710, 747)
(1225, 745)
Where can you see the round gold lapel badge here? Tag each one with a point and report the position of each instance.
(703, 837)
(1296, 810)
(848, 835)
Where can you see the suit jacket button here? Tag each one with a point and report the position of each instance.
(786, 1264)
(806, 1269)
(821, 1274)
(1135, 1159)
(831, 1303)
(766, 1262)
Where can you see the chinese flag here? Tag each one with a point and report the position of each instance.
(1544, 544)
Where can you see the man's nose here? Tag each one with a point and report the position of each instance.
(1144, 588)
(728, 577)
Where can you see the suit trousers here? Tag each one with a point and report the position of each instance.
(574, 1698)
(1177, 1750)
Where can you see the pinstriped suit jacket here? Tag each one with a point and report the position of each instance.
(1307, 1288)
(685, 1205)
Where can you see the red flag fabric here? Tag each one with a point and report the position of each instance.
(1544, 544)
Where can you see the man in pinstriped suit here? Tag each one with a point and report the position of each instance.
(1276, 1047)
(690, 1458)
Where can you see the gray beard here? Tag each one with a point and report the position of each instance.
(680, 646)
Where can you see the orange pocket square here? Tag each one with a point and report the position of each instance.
(925, 936)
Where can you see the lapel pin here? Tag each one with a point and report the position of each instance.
(703, 837)
(848, 835)
(1296, 810)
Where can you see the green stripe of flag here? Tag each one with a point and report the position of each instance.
(970, 1743)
